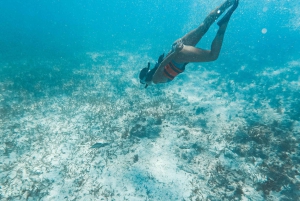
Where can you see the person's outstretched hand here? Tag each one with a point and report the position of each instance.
(177, 45)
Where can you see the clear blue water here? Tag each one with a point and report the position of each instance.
(222, 130)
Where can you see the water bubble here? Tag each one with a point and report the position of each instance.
(265, 9)
(264, 31)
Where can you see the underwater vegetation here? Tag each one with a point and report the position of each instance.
(80, 133)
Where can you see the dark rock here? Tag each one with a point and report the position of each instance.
(99, 145)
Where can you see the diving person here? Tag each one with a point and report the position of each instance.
(184, 51)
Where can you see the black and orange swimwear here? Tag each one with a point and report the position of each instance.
(172, 69)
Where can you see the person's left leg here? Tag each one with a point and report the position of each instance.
(217, 42)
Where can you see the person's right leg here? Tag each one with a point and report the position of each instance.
(194, 54)
(193, 37)
(218, 40)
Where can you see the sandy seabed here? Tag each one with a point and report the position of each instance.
(205, 136)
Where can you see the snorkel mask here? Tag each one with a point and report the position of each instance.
(146, 74)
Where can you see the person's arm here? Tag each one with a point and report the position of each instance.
(157, 77)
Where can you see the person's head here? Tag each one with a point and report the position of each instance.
(144, 76)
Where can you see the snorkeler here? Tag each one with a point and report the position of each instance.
(184, 51)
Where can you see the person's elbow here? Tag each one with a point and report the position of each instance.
(156, 79)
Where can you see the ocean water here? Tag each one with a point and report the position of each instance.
(75, 124)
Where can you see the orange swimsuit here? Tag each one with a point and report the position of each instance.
(173, 69)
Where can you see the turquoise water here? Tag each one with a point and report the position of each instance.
(75, 124)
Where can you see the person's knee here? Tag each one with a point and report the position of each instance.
(214, 56)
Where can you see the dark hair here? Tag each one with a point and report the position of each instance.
(146, 74)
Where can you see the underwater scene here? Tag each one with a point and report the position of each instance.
(76, 124)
